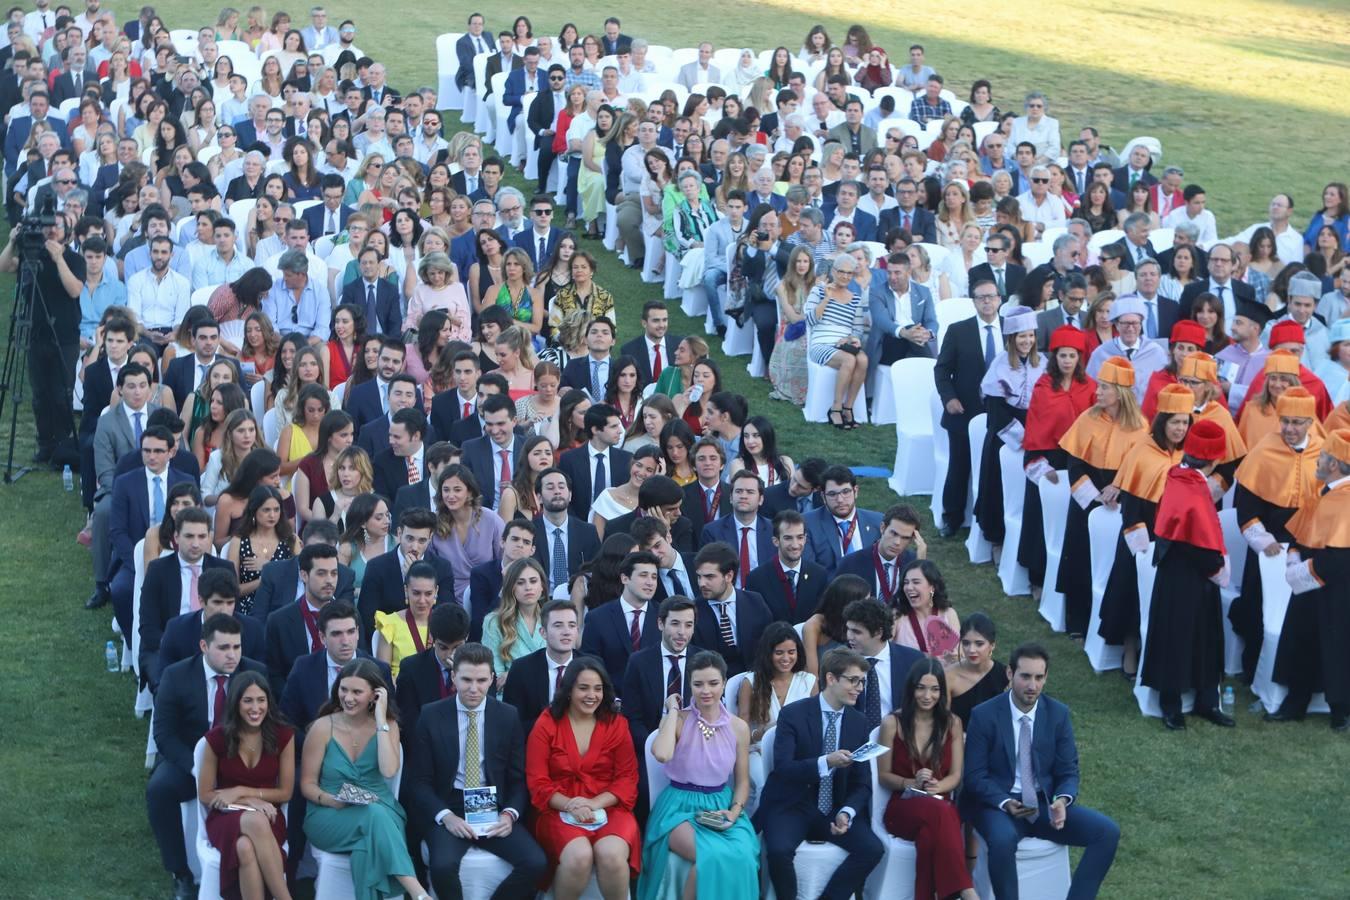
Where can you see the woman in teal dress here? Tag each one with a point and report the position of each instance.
(367, 535)
(355, 741)
(705, 750)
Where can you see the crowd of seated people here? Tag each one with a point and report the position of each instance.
(366, 442)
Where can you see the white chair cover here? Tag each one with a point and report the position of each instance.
(1275, 599)
(1104, 527)
(912, 379)
(1013, 576)
(1055, 502)
(978, 549)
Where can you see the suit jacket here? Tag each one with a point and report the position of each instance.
(867, 138)
(794, 784)
(777, 201)
(129, 517)
(363, 402)
(777, 499)
(1241, 291)
(922, 225)
(577, 464)
(583, 543)
(694, 506)
(960, 368)
(728, 530)
(811, 582)
(382, 588)
(859, 563)
(446, 410)
(391, 473)
(465, 52)
(638, 349)
(485, 594)
(419, 683)
(113, 434)
(1120, 179)
(385, 91)
(864, 223)
(162, 601)
(690, 75)
(104, 181)
(1128, 252)
(464, 430)
(386, 317)
(610, 48)
(513, 92)
(881, 304)
(307, 686)
(1048, 320)
(413, 496)
(823, 538)
(541, 116)
(606, 635)
(494, 67)
(479, 455)
(181, 712)
(181, 375)
(1012, 276)
(279, 584)
(577, 372)
(434, 761)
(644, 689)
(182, 640)
(991, 753)
(63, 86)
(316, 216)
(752, 616)
(528, 690)
(1169, 311)
(528, 241)
(17, 135)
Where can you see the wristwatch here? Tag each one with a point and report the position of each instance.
(384, 727)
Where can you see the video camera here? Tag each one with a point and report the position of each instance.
(32, 240)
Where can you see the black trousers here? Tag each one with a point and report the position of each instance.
(573, 201)
(168, 787)
(51, 373)
(517, 848)
(894, 349)
(1206, 699)
(765, 315)
(957, 487)
(784, 833)
(546, 157)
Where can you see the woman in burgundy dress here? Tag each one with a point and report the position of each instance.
(249, 761)
(926, 755)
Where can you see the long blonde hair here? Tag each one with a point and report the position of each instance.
(1129, 416)
(508, 610)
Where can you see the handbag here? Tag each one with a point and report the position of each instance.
(795, 331)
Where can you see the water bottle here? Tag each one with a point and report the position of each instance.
(1227, 704)
(114, 659)
(67, 480)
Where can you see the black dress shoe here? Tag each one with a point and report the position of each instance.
(1218, 717)
(1284, 715)
(1174, 722)
(97, 599)
(1340, 723)
(947, 531)
(183, 888)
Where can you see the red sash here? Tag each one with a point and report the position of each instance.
(846, 536)
(788, 590)
(889, 590)
(311, 625)
(710, 508)
(416, 633)
(918, 632)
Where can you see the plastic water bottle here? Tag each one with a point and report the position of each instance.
(67, 479)
(1227, 703)
(114, 659)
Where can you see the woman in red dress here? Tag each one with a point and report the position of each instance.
(926, 755)
(579, 763)
(249, 761)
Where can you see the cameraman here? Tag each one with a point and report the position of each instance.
(759, 250)
(54, 341)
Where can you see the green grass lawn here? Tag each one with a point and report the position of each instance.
(1245, 94)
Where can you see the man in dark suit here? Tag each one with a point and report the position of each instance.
(1220, 283)
(131, 513)
(1135, 171)
(801, 492)
(815, 792)
(426, 677)
(1021, 780)
(402, 461)
(172, 585)
(617, 629)
(591, 372)
(1134, 246)
(846, 210)
(1005, 276)
(281, 584)
(660, 500)
(655, 348)
(661, 670)
(446, 761)
(310, 682)
(421, 495)
(193, 699)
(745, 529)
(839, 527)
(187, 372)
(495, 457)
(376, 296)
(536, 676)
(449, 407)
(968, 349)
(542, 232)
(470, 44)
(599, 463)
(613, 38)
(402, 394)
(19, 129)
(76, 75)
(330, 216)
(894, 549)
(292, 631)
(707, 497)
(106, 177)
(219, 590)
(909, 215)
(525, 80)
(904, 318)
(1161, 313)
(485, 579)
(869, 625)
(542, 120)
(790, 585)
(368, 401)
(562, 542)
(504, 60)
(729, 620)
(1071, 311)
(382, 588)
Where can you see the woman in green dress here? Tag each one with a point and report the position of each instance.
(355, 741)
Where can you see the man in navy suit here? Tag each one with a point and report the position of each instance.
(402, 395)
(536, 676)
(330, 216)
(599, 463)
(281, 584)
(1022, 780)
(426, 677)
(707, 497)
(661, 670)
(403, 461)
(293, 630)
(375, 295)
(839, 527)
(172, 585)
(485, 579)
(473, 42)
(882, 564)
(494, 458)
(869, 626)
(591, 372)
(745, 529)
(422, 495)
(466, 428)
(654, 349)
(541, 220)
(909, 215)
(187, 372)
(219, 590)
(310, 682)
(192, 700)
(790, 585)
(846, 210)
(382, 588)
(904, 318)
(522, 81)
(542, 119)
(368, 401)
(562, 542)
(613, 38)
(815, 791)
(442, 767)
(801, 492)
(138, 499)
(1006, 276)
(17, 135)
(618, 628)
(729, 621)
(448, 407)
(106, 178)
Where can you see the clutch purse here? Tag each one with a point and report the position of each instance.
(714, 820)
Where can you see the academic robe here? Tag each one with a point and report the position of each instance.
(1307, 379)
(1216, 411)
(1321, 532)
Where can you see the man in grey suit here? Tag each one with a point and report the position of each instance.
(1069, 312)
(701, 72)
(904, 318)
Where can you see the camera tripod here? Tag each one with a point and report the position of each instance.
(27, 298)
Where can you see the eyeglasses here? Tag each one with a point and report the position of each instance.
(509, 210)
(839, 494)
(1035, 106)
(295, 314)
(542, 212)
(854, 680)
(986, 297)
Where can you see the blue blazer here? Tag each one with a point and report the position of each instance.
(799, 742)
(923, 224)
(464, 52)
(182, 639)
(577, 464)
(752, 617)
(606, 636)
(811, 582)
(307, 687)
(514, 91)
(479, 455)
(644, 689)
(129, 518)
(161, 599)
(822, 536)
(529, 242)
(382, 588)
(882, 307)
(464, 253)
(864, 223)
(991, 753)
(777, 201)
(485, 594)
(363, 403)
(388, 320)
(728, 530)
(17, 136)
(777, 499)
(277, 589)
(314, 218)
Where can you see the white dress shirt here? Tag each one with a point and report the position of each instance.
(883, 670)
(553, 667)
(185, 580)
(159, 302)
(856, 542)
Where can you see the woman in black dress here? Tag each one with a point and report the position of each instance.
(976, 676)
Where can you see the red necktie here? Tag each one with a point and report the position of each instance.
(311, 625)
(656, 362)
(194, 602)
(634, 632)
(414, 475)
(218, 704)
(745, 554)
(506, 465)
(468, 410)
(557, 682)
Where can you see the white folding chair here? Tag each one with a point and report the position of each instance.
(1275, 599)
(1104, 527)
(1042, 869)
(1160, 239)
(145, 702)
(820, 381)
(1147, 697)
(978, 549)
(1037, 253)
(814, 863)
(893, 877)
(449, 94)
(240, 210)
(1012, 575)
(942, 454)
(1236, 546)
(257, 397)
(676, 869)
(202, 294)
(482, 122)
(500, 114)
(740, 339)
(951, 311)
(334, 881)
(672, 291)
(882, 394)
(731, 696)
(1055, 502)
(1102, 238)
(912, 379)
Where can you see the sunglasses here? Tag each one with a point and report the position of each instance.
(542, 212)
(1040, 181)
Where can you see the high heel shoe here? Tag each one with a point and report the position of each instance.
(840, 423)
(849, 422)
